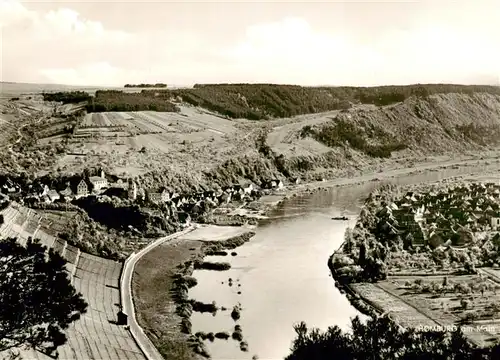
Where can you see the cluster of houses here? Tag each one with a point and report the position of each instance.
(98, 184)
(446, 217)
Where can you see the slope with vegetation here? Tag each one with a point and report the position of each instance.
(262, 101)
(375, 126)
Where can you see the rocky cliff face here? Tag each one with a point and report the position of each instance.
(442, 124)
(438, 124)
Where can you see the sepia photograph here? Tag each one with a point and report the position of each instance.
(243, 180)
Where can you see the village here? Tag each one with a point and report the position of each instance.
(452, 216)
(99, 184)
(434, 250)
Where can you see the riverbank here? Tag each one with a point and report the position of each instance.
(160, 284)
(478, 162)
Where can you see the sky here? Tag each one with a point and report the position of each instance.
(366, 43)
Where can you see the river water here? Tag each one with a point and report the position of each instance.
(282, 273)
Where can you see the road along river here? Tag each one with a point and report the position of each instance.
(282, 273)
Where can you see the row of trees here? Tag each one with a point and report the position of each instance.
(67, 97)
(157, 85)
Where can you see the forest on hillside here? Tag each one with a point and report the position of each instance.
(67, 97)
(157, 85)
(115, 100)
(262, 101)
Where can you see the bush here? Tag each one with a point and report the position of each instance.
(236, 313)
(237, 335)
(222, 335)
(207, 265)
(198, 306)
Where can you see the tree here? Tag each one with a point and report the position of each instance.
(464, 304)
(44, 302)
(381, 338)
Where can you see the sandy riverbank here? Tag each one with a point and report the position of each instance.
(215, 232)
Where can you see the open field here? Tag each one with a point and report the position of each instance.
(152, 291)
(413, 307)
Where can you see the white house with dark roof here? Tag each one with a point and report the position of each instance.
(98, 182)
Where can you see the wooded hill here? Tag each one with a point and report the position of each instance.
(264, 101)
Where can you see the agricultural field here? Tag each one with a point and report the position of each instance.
(8, 130)
(54, 129)
(132, 143)
(466, 300)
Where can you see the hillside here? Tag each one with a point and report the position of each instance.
(342, 142)
(192, 147)
(262, 101)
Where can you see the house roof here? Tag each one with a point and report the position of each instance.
(66, 192)
(96, 179)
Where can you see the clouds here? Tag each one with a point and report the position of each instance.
(292, 49)
(59, 45)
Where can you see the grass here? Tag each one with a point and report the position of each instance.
(155, 278)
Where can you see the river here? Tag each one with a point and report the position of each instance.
(282, 273)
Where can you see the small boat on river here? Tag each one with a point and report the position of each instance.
(344, 218)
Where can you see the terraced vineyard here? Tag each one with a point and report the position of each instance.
(96, 334)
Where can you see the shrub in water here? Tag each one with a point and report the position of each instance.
(222, 335)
